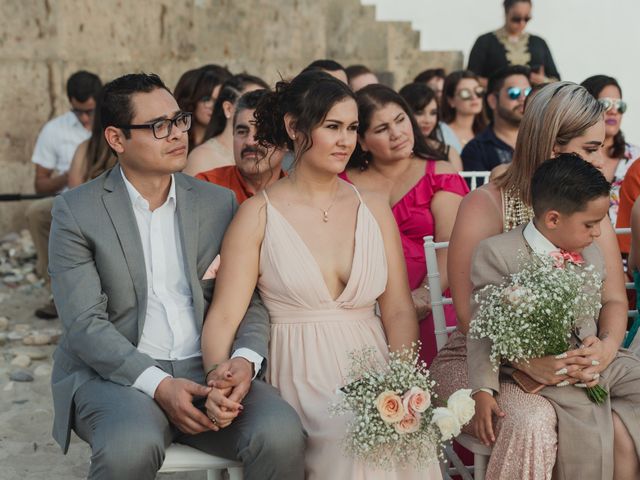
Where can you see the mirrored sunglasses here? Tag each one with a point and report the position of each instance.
(609, 103)
(515, 92)
(468, 93)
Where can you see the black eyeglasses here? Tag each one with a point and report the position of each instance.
(520, 19)
(162, 128)
(515, 92)
(89, 112)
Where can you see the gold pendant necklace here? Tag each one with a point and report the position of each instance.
(325, 211)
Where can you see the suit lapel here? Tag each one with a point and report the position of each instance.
(118, 205)
(187, 208)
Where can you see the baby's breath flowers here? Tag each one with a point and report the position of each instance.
(535, 311)
(393, 423)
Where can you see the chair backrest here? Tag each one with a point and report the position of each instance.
(437, 300)
(474, 176)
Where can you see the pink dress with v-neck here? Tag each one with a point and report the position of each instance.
(312, 335)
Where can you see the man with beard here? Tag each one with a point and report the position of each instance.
(256, 167)
(506, 93)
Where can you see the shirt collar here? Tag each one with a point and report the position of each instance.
(137, 199)
(537, 241)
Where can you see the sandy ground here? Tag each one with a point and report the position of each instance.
(27, 450)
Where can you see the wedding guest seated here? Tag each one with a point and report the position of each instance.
(331, 67)
(360, 76)
(93, 157)
(394, 159)
(256, 167)
(462, 107)
(619, 155)
(52, 155)
(434, 79)
(424, 105)
(216, 149)
(570, 198)
(506, 93)
(131, 265)
(197, 91)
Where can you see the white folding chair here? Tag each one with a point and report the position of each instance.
(480, 452)
(182, 458)
(474, 176)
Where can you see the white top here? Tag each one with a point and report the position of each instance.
(537, 241)
(58, 141)
(170, 329)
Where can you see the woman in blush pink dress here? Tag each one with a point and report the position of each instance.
(321, 255)
(394, 158)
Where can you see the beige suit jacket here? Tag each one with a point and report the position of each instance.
(494, 260)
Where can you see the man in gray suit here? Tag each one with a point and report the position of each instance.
(128, 256)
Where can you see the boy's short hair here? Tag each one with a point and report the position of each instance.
(566, 184)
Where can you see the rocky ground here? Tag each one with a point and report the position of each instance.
(27, 450)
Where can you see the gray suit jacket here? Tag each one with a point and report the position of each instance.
(494, 260)
(99, 282)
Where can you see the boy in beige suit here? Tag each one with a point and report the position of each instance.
(570, 198)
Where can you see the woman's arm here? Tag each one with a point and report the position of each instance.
(478, 218)
(235, 281)
(396, 307)
(77, 173)
(455, 160)
(198, 160)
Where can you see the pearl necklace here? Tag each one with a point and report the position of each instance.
(515, 211)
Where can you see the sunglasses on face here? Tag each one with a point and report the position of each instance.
(515, 92)
(520, 19)
(469, 93)
(609, 103)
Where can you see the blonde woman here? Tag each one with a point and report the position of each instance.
(560, 118)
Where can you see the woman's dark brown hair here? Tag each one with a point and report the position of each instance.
(448, 113)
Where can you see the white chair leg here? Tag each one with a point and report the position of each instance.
(235, 473)
(214, 474)
(479, 466)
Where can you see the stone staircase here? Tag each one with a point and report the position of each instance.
(43, 42)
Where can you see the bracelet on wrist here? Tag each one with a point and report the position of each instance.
(215, 365)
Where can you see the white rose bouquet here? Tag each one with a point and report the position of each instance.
(394, 423)
(535, 311)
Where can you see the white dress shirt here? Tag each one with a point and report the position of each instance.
(58, 141)
(170, 329)
(537, 241)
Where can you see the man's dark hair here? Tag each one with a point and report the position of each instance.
(497, 79)
(249, 101)
(328, 65)
(354, 71)
(566, 184)
(508, 4)
(426, 75)
(116, 98)
(83, 85)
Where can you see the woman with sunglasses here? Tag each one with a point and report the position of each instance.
(618, 154)
(424, 105)
(511, 45)
(461, 106)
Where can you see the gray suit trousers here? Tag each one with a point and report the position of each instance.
(128, 432)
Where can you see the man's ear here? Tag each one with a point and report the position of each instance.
(492, 101)
(551, 219)
(115, 139)
(290, 125)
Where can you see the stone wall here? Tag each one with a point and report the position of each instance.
(43, 41)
